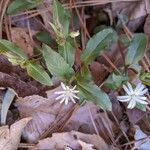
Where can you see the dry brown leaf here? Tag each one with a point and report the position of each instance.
(81, 120)
(21, 37)
(135, 10)
(71, 140)
(147, 25)
(44, 112)
(10, 138)
(85, 146)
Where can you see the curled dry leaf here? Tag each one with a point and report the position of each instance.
(86, 146)
(82, 120)
(73, 140)
(22, 39)
(10, 138)
(45, 112)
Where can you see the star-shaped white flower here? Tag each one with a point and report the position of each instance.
(134, 95)
(67, 94)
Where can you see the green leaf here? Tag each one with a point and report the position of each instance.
(38, 73)
(145, 78)
(44, 37)
(67, 51)
(136, 67)
(61, 17)
(141, 106)
(92, 92)
(97, 44)
(114, 81)
(136, 49)
(19, 5)
(56, 64)
(9, 47)
(7, 100)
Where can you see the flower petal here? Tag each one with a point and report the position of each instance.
(137, 87)
(72, 99)
(62, 100)
(132, 104)
(124, 100)
(143, 92)
(66, 100)
(130, 87)
(123, 97)
(141, 101)
(74, 87)
(142, 97)
(60, 92)
(60, 97)
(74, 96)
(126, 90)
(63, 86)
(140, 89)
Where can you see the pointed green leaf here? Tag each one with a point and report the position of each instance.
(67, 51)
(97, 44)
(9, 47)
(145, 78)
(92, 92)
(136, 49)
(44, 37)
(19, 5)
(61, 17)
(114, 81)
(38, 73)
(7, 100)
(56, 63)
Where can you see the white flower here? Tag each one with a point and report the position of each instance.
(67, 94)
(134, 95)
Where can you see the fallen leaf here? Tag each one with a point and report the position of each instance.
(85, 146)
(45, 112)
(81, 120)
(143, 142)
(71, 140)
(146, 26)
(22, 39)
(10, 138)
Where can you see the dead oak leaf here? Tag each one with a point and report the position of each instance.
(44, 112)
(22, 39)
(85, 146)
(71, 140)
(10, 138)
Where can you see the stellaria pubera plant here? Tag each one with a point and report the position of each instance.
(59, 62)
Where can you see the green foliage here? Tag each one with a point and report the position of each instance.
(17, 57)
(145, 78)
(67, 51)
(11, 48)
(136, 49)
(7, 100)
(97, 44)
(61, 18)
(92, 92)
(19, 5)
(56, 63)
(136, 67)
(38, 73)
(114, 81)
(44, 37)
(61, 22)
(141, 106)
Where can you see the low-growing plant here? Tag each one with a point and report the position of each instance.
(60, 62)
